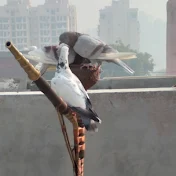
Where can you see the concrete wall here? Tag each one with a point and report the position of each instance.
(16, 85)
(135, 82)
(137, 136)
(127, 82)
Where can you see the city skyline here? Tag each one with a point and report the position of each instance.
(50, 20)
(120, 22)
(84, 6)
(147, 22)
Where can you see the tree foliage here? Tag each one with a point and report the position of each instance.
(142, 65)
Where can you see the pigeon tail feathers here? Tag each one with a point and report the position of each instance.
(116, 58)
(85, 113)
(92, 127)
(116, 55)
(124, 66)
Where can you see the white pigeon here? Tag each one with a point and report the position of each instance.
(47, 56)
(70, 89)
(83, 46)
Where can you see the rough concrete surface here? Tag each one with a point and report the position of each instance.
(137, 136)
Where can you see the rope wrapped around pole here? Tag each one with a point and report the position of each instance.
(61, 108)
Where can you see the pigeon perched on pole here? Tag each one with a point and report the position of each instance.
(86, 48)
(70, 89)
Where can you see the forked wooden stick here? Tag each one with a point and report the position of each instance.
(77, 157)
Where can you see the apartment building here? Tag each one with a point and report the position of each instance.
(119, 22)
(40, 26)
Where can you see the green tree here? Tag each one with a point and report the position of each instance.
(142, 65)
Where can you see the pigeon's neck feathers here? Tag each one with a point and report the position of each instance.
(63, 64)
(65, 73)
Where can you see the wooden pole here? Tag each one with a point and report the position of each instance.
(79, 132)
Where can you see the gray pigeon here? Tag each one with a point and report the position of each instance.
(95, 50)
(83, 47)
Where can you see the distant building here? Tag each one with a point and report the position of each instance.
(119, 22)
(72, 18)
(171, 38)
(154, 42)
(134, 33)
(41, 25)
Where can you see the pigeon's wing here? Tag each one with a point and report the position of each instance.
(39, 55)
(88, 102)
(66, 87)
(70, 92)
(90, 125)
(87, 99)
(82, 89)
(86, 113)
(42, 67)
(116, 55)
(116, 58)
(88, 47)
(124, 66)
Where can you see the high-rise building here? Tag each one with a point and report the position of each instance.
(48, 21)
(72, 18)
(134, 33)
(171, 38)
(40, 26)
(119, 22)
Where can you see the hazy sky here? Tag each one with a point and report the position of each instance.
(88, 10)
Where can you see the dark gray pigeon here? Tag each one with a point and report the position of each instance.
(95, 50)
(84, 47)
